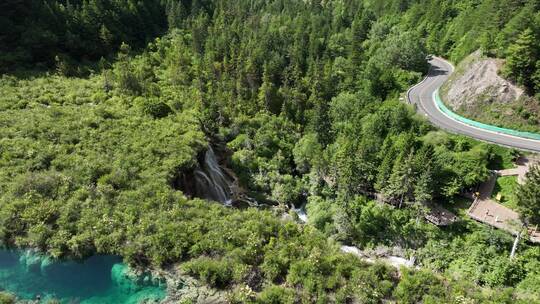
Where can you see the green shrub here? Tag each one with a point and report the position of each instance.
(7, 298)
(153, 107)
(415, 287)
(276, 295)
(216, 273)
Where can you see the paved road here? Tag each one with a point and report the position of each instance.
(422, 96)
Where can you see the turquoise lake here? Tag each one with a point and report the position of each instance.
(98, 279)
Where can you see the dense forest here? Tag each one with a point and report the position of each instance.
(104, 104)
(67, 32)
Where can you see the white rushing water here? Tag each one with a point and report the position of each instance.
(301, 212)
(394, 261)
(211, 183)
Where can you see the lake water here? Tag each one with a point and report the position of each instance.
(99, 279)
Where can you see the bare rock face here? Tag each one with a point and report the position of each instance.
(476, 80)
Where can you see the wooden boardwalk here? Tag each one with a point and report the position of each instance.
(439, 215)
(523, 165)
(496, 215)
(501, 217)
(487, 211)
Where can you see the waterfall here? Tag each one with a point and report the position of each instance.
(301, 212)
(210, 182)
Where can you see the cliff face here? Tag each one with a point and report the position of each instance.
(476, 90)
(476, 80)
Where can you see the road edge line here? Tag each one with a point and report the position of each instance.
(456, 119)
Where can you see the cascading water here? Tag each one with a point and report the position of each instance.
(301, 212)
(210, 182)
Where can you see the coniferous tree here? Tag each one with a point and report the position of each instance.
(423, 191)
(528, 196)
(266, 90)
(536, 78)
(401, 182)
(359, 28)
(521, 59)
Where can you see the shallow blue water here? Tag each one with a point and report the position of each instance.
(99, 279)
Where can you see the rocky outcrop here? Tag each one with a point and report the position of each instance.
(477, 90)
(182, 288)
(477, 80)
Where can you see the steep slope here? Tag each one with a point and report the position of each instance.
(476, 90)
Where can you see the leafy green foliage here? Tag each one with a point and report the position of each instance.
(304, 96)
(418, 287)
(276, 295)
(505, 189)
(212, 272)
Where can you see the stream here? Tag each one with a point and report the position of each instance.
(395, 261)
(100, 279)
(213, 184)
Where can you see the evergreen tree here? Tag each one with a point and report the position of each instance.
(536, 78)
(320, 120)
(401, 183)
(175, 13)
(528, 197)
(423, 192)
(359, 28)
(521, 59)
(125, 75)
(267, 91)
(107, 38)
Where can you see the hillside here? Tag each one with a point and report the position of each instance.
(477, 90)
(182, 135)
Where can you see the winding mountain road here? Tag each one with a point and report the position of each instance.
(422, 96)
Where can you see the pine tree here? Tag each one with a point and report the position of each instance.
(360, 28)
(125, 76)
(528, 196)
(388, 156)
(266, 90)
(175, 14)
(521, 59)
(536, 78)
(422, 190)
(401, 183)
(106, 38)
(320, 121)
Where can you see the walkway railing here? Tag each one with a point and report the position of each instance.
(480, 125)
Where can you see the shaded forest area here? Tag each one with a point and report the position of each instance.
(51, 31)
(42, 33)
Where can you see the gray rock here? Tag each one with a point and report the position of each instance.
(476, 80)
(183, 288)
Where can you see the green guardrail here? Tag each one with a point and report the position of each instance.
(480, 125)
